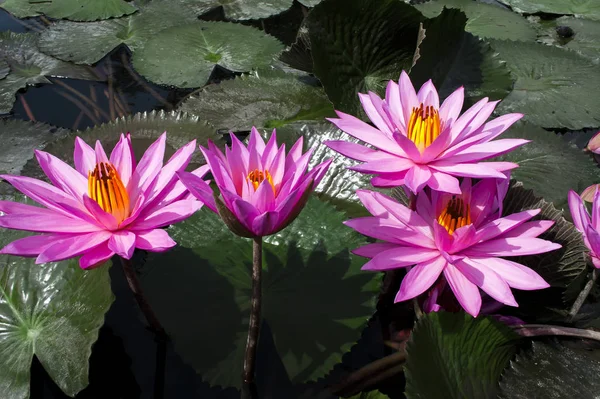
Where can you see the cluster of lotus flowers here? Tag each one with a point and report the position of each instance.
(452, 238)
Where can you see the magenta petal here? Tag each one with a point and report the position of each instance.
(370, 202)
(198, 188)
(444, 182)
(177, 191)
(72, 246)
(148, 167)
(495, 127)
(170, 214)
(122, 158)
(245, 212)
(218, 170)
(31, 246)
(420, 278)
(389, 179)
(478, 171)
(256, 143)
(400, 257)
(516, 275)
(46, 221)
(84, 157)
(465, 291)
(264, 197)
(442, 238)
(530, 229)
(378, 120)
(295, 153)
(383, 229)
(392, 99)
(592, 236)
(428, 95)
(514, 246)
(488, 280)
(483, 151)
(499, 226)
(156, 240)
(266, 223)
(96, 256)
(355, 151)
(408, 96)
(62, 175)
(463, 121)
(372, 250)
(384, 165)
(451, 107)
(581, 219)
(122, 243)
(270, 151)
(417, 177)
(100, 154)
(104, 218)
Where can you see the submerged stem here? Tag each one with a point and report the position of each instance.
(583, 294)
(254, 325)
(539, 330)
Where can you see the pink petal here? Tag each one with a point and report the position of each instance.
(581, 218)
(245, 212)
(417, 177)
(478, 120)
(595, 208)
(594, 144)
(100, 215)
(198, 188)
(465, 291)
(43, 220)
(420, 278)
(266, 224)
(385, 230)
(31, 246)
(96, 256)
(530, 229)
(428, 95)
(516, 275)
(384, 165)
(270, 150)
(378, 119)
(483, 151)
(592, 236)
(122, 158)
(500, 226)
(400, 257)
(441, 237)
(444, 182)
(148, 167)
(479, 171)
(170, 214)
(389, 179)
(461, 123)
(156, 240)
(62, 175)
(408, 96)
(355, 151)
(372, 250)
(122, 243)
(295, 153)
(514, 246)
(463, 237)
(72, 246)
(84, 157)
(277, 167)
(177, 191)
(488, 281)
(264, 198)
(494, 128)
(451, 107)
(220, 174)
(392, 98)
(256, 143)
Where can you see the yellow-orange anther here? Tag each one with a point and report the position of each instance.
(423, 126)
(456, 214)
(106, 188)
(257, 176)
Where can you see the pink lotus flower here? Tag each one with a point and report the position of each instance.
(422, 143)
(589, 227)
(262, 190)
(458, 236)
(104, 206)
(594, 144)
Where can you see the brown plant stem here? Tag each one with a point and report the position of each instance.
(254, 325)
(540, 330)
(583, 295)
(27, 109)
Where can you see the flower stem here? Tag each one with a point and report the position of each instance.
(138, 294)
(254, 325)
(583, 295)
(539, 330)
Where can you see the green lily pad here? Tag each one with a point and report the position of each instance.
(359, 45)
(485, 20)
(145, 128)
(309, 3)
(74, 10)
(19, 139)
(4, 69)
(96, 39)
(550, 83)
(579, 8)
(28, 66)
(547, 371)
(585, 40)
(451, 58)
(244, 9)
(265, 99)
(53, 311)
(298, 55)
(549, 165)
(307, 266)
(464, 356)
(20, 8)
(186, 55)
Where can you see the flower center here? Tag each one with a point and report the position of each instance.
(106, 188)
(456, 214)
(424, 126)
(257, 176)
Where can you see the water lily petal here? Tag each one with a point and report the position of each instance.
(373, 113)
(62, 175)
(156, 240)
(170, 214)
(372, 250)
(451, 107)
(465, 291)
(516, 275)
(478, 171)
(420, 278)
(530, 229)
(400, 257)
(96, 256)
(33, 245)
(122, 158)
(444, 182)
(514, 246)
(417, 177)
(502, 225)
(122, 243)
(356, 151)
(408, 96)
(148, 167)
(46, 221)
(198, 188)
(84, 157)
(488, 280)
(72, 246)
(581, 218)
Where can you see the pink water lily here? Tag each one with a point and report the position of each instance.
(261, 189)
(594, 144)
(420, 143)
(460, 238)
(104, 206)
(588, 226)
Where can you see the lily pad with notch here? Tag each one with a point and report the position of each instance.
(578, 8)
(243, 9)
(579, 35)
(74, 10)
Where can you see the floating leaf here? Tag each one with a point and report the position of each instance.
(358, 45)
(186, 55)
(266, 99)
(307, 266)
(551, 371)
(560, 268)
(549, 85)
(244, 9)
(579, 8)
(298, 55)
(19, 139)
(485, 20)
(549, 165)
(452, 58)
(20, 8)
(84, 10)
(4, 69)
(96, 39)
(52, 311)
(464, 356)
(28, 66)
(584, 37)
(145, 128)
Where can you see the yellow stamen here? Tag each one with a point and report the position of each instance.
(256, 177)
(456, 215)
(423, 126)
(106, 188)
